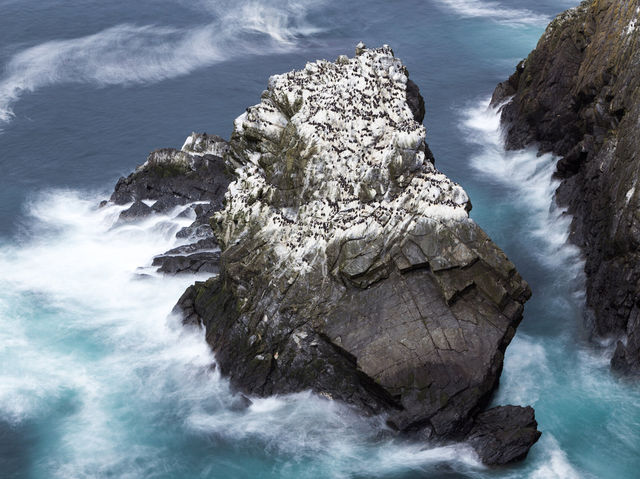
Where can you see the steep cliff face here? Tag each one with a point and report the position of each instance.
(349, 264)
(577, 95)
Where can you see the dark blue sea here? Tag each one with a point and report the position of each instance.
(98, 381)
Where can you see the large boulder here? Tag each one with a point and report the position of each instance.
(578, 95)
(504, 434)
(349, 263)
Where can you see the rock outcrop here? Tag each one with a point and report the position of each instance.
(169, 180)
(349, 263)
(578, 95)
(504, 434)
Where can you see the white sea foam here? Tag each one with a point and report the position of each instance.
(526, 375)
(305, 426)
(87, 353)
(530, 177)
(496, 11)
(129, 54)
(556, 466)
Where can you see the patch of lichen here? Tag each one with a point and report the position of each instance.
(283, 158)
(282, 103)
(285, 162)
(170, 169)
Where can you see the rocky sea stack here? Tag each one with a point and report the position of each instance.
(348, 263)
(578, 95)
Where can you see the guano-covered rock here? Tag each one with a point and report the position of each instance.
(578, 95)
(349, 263)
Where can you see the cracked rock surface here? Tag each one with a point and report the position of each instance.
(349, 264)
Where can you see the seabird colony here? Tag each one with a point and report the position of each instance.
(366, 174)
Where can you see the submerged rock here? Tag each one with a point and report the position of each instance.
(349, 263)
(577, 95)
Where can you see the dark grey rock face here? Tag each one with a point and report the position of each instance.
(349, 264)
(504, 434)
(177, 177)
(415, 101)
(195, 175)
(577, 95)
(137, 210)
(200, 257)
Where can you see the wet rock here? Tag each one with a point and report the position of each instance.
(504, 434)
(577, 95)
(175, 177)
(195, 232)
(169, 202)
(137, 210)
(349, 263)
(203, 256)
(240, 403)
(207, 244)
(202, 262)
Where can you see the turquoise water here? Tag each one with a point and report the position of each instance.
(97, 380)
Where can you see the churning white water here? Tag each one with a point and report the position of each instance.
(87, 339)
(551, 364)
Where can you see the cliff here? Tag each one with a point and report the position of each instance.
(347, 262)
(577, 95)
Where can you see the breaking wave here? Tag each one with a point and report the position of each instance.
(530, 177)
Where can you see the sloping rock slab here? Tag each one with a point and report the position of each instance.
(200, 257)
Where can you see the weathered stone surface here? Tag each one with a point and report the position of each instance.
(194, 175)
(504, 434)
(202, 262)
(349, 264)
(200, 257)
(177, 177)
(577, 95)
(137, 210)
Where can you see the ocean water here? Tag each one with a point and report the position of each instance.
(97, 380)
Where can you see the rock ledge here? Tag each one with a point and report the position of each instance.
(577, 95)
